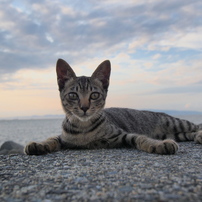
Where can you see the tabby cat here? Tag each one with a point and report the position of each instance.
(88, 126)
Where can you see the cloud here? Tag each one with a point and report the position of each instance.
(35, 33)
(154, 46)
(180, 90)
(156, 56)
(29, 79)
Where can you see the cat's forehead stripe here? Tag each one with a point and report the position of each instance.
(84, 83)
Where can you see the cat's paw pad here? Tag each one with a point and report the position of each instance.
(165, 147)
(34, 148)
(198, 137)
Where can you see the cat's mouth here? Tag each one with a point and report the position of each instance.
(83, 117)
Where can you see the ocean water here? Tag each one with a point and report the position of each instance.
(24, 131)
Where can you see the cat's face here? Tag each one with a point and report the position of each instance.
(82, 97)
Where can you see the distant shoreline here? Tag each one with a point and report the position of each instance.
(61, 116)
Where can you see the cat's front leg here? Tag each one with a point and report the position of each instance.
(149, 145)
(50, 145)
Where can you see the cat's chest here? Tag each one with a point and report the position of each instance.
(84, 133)
(83, 138)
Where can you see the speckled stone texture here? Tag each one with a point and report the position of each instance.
(103, 175)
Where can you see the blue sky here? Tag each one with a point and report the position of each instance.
(155, 48)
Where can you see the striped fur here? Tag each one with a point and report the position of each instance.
(88, 126)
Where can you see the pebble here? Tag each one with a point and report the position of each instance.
(103, 175)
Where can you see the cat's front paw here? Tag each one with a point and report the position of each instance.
(164, 147)
(198, 138)
(34, 148)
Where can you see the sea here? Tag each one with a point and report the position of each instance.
(25, 131)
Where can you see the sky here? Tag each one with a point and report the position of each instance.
(155, 49)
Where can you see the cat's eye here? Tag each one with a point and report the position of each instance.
(73, 96)
(94, 96)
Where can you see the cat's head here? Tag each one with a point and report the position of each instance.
(83, 97)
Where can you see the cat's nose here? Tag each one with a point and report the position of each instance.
(84, 108)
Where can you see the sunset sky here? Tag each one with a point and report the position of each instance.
(155, 48)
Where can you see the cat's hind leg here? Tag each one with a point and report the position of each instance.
(189, 136)
(198, 137)
(48, 146)
(178, 130)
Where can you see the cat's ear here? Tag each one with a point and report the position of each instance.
(102, 73)
(64, 73)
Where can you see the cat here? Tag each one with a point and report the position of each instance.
(89, 126)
